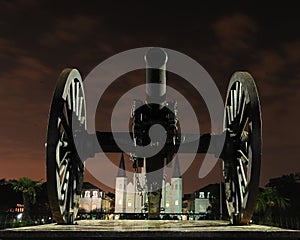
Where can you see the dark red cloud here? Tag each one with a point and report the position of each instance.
(70, 30)
(236, 33)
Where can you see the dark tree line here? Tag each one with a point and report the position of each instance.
(32, 194)
(279, 202)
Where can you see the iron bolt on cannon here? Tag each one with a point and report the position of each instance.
(240, 155)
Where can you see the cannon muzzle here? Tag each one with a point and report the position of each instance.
(156, 60)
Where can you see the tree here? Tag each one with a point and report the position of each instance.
(41, 209)
(28, 188)
(266, 201)
(288, 186)
(9, 198)
(3, 181)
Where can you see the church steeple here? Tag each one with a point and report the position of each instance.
(176, 170)
(122, 171)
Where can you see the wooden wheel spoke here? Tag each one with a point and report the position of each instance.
(244, 118)
(64, 180)
(244, 159)
(80, 110)
(229, 115)
(237, 110)
(77, 103)
(64, 146)
(73, 92)
(244, 181)
(63, 139)
(64, 190)
(239, 96)
(60, 151)
(233, 103)
(62, 165)
(62, 168)
(76, 108)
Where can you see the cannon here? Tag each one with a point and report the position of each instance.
(240, 154)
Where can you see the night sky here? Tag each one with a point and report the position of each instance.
(38, 39)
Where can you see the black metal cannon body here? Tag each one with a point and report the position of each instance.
(241, 152)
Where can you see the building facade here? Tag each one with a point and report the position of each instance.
(93, 199)
(208, 202)
(131, 196)
(90, 200)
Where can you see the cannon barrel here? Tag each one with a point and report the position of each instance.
(156, 60)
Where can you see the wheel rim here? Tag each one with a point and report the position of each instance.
(64, 167)
(241, 165)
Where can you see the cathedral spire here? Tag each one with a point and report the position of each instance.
(176, 170)
(122, 172)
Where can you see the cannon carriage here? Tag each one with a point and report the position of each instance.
(240, 153)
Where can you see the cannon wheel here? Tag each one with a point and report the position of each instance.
(241, 165)
(64, 167)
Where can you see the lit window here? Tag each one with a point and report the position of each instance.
(87, 194)
(129, 203)
(167, 203)
(120, 202)
(95, 194)
(176, 202)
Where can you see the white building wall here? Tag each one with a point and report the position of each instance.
(176, 184)
(120, 194)
(201, 205)
(167, 203)
(85, 204)
(91, 200)
(130, 198)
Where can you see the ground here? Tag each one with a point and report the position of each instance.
(148, 229)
